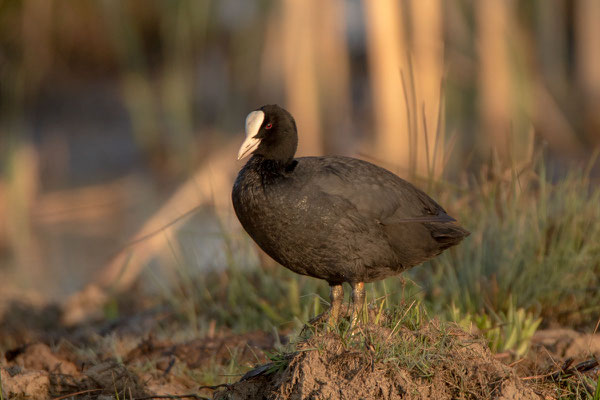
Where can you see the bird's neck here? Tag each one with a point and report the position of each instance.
(269, 168)
(264, 164)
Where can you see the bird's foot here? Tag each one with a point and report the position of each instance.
(331, 315)
(326, 320)
(358, 304)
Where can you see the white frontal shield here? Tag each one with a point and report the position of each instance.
(254, 121)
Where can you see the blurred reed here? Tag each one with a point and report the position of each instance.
(428, 49)
(387, 51)
(493, 24)
(587, 31)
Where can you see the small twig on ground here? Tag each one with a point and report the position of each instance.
(520, 360)
(581, 367)
(184, 396)
(214, 387)
(565, 371)
(169, 367)
(77, 394)
(173, 396)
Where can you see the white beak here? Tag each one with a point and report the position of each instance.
(254, 121)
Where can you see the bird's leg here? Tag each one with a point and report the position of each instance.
(358, 301)
(336, 295)
(330, 315)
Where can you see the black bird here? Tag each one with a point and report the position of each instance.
(335, 218)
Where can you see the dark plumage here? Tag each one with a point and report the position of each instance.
(335, 218)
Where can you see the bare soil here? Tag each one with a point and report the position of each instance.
(43, 360)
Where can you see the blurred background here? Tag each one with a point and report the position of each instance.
(120, 120)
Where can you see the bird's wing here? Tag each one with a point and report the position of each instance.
(372, 191)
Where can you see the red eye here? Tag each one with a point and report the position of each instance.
(268, 126)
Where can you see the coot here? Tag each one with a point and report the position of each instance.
(335, 218)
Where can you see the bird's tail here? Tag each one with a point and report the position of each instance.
(448, 235)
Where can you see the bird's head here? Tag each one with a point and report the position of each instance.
(270, 133)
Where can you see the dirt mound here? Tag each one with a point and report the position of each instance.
(433, 362)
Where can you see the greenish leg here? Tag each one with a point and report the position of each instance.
(358, 301)
(337, 296)
(332, 314)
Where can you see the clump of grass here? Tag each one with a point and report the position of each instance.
(246, 299)
(534, 245)
(403, 336)
(412, 343)
(511, 331)
(390, 334)
(215, 371)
